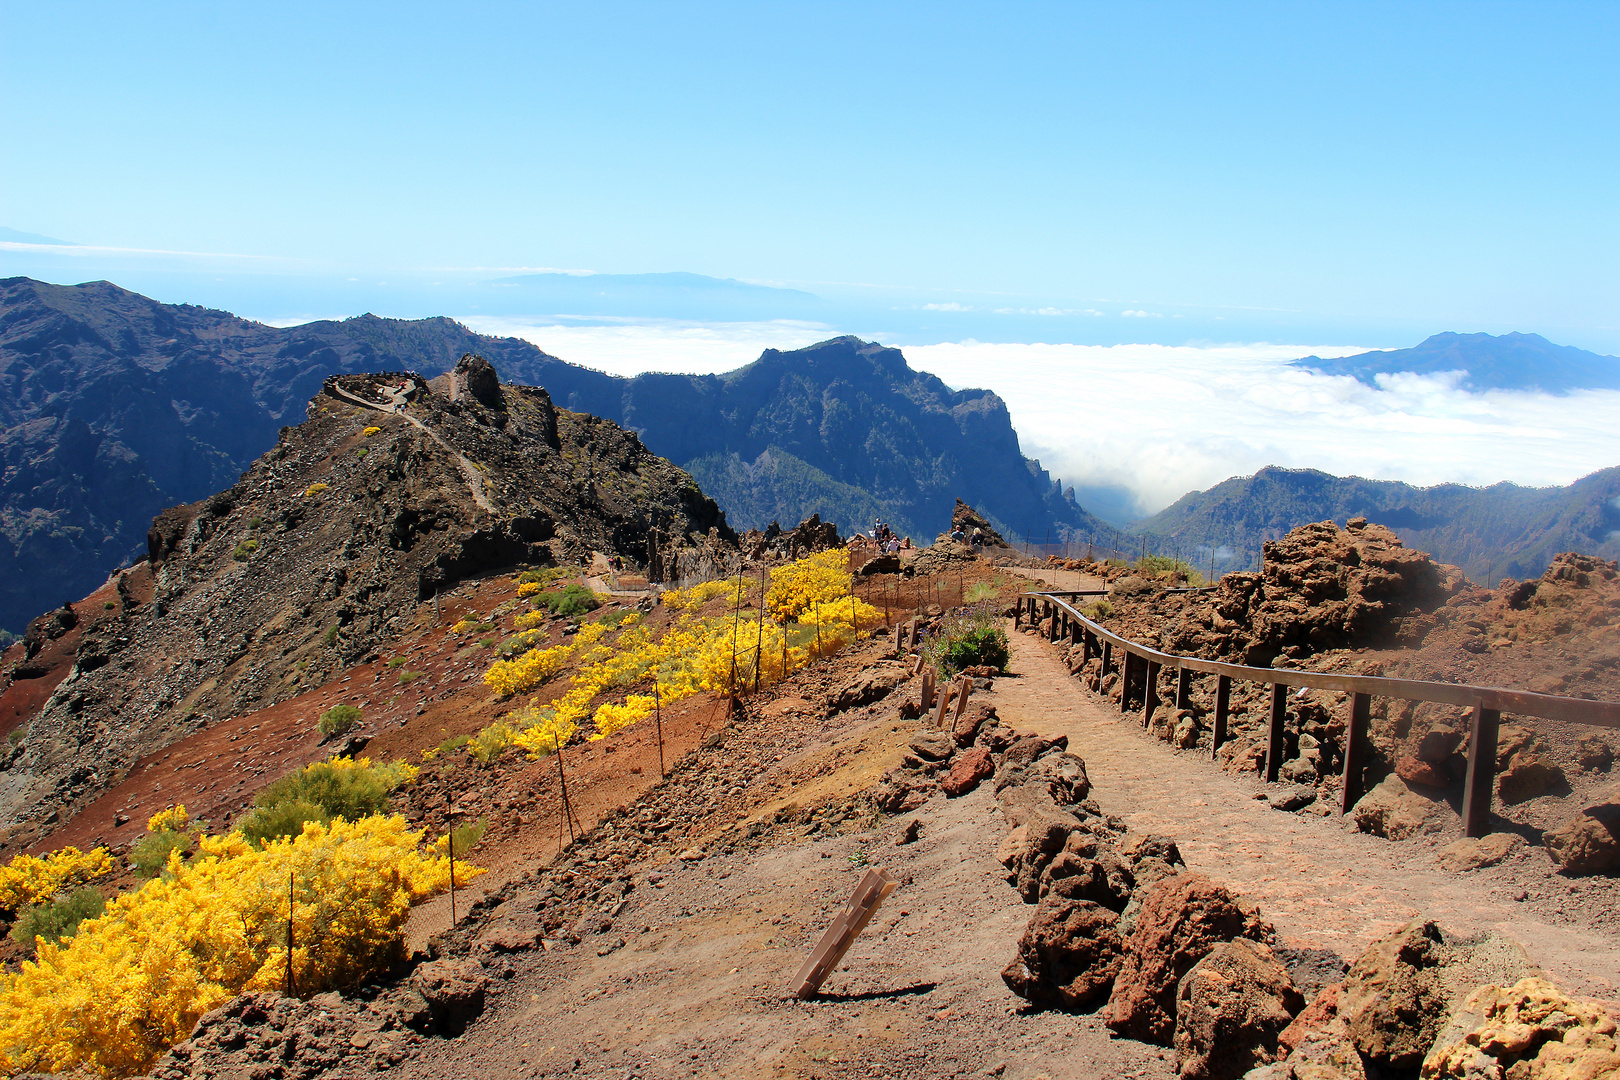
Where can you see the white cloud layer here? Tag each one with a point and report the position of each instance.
(1163, 420)
(631, 347)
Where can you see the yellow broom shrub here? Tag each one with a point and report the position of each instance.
(27, 879)
(134, 981)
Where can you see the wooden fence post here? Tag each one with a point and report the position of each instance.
(1150, 692)
(1223, 703)
(1482, 734)
(1275, 733)
(1355, 750)
(1127, 667)
(1183, 688)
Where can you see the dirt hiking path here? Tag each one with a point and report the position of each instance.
(1323, 884)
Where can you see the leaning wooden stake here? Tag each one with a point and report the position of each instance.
(875, 887)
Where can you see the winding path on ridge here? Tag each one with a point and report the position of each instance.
(475, 483)
(1322, 884)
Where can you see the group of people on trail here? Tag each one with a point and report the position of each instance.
(962, 538)
(888, 542)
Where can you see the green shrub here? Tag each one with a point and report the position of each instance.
(1165, 568)
(151, 852)
(467, 836)
(338, 720)
(407, 677)
(362, 452)
(568, 601)
(397, 661)
(1102, 609)
(486, 642)
(979, 590)
(338, 788)
(454, 742)
(542, 577)
(972, 639)
(108, 606)
(60, 918)
(255, 523)
(331, 634)
(281, 819)
(17, 735)
(244, 551)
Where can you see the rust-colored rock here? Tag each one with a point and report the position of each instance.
(1421, 773)
(1067, 956)
(454, 990)
(1589, 842)
(1181, 920)
(1230, 1009)
(970, 768)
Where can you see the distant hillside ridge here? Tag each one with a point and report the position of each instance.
(1505, 362)
(114, 406)
(844, 428)
(1493, 532)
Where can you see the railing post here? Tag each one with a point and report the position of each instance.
(1482, 734)
(1150, 692)
(1107, 657)
(1355, 750)
(1274, 736)
(1183, 688)
(1126, 667)
(1223, 701)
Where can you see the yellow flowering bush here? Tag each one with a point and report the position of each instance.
(690, 599)
(508, 677)
(370, 431)
(174, 819)
(542, 731)
(314, 489)
(463, 625)
(528, 588)
(134, 981)
(799, 586)
(30, 880)
(529, 621)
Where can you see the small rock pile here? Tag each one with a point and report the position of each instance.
(965, 518)
(806, 538)
(372, 1030)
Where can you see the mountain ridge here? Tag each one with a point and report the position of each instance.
(1512, 361)
(1503, 530)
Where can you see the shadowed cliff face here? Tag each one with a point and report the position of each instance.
(327, 547)
(844, 428)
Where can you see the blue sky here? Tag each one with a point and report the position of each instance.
(1367, 171)
(1327, 175)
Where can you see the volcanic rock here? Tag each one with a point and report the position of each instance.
(1399, 993)
(454, 991)
(1068, 955)
(967, 771)
(1182, 919)
(933, 745)
(1474, 853)
(1230, 1008)
(1530, 1029)
(872, 684)
(1589, 842)
(1394, 811)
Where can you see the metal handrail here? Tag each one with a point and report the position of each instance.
(1488, 702)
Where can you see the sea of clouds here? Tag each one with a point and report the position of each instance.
(1159, 421)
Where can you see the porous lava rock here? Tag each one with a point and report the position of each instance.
(454, 992)
(968, 771)
(1182, 919)
(1400, 992)
(1530, 1030)
(1394, 811)
(1475, 853)
(1044, 835)
(873, 684)
(1322, 587)
(1588, 842)
(1230, 1008)
(1068, 955)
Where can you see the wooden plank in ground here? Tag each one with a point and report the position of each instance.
(870, 892)
(944, 703)
(961, 702)
(929, 675)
